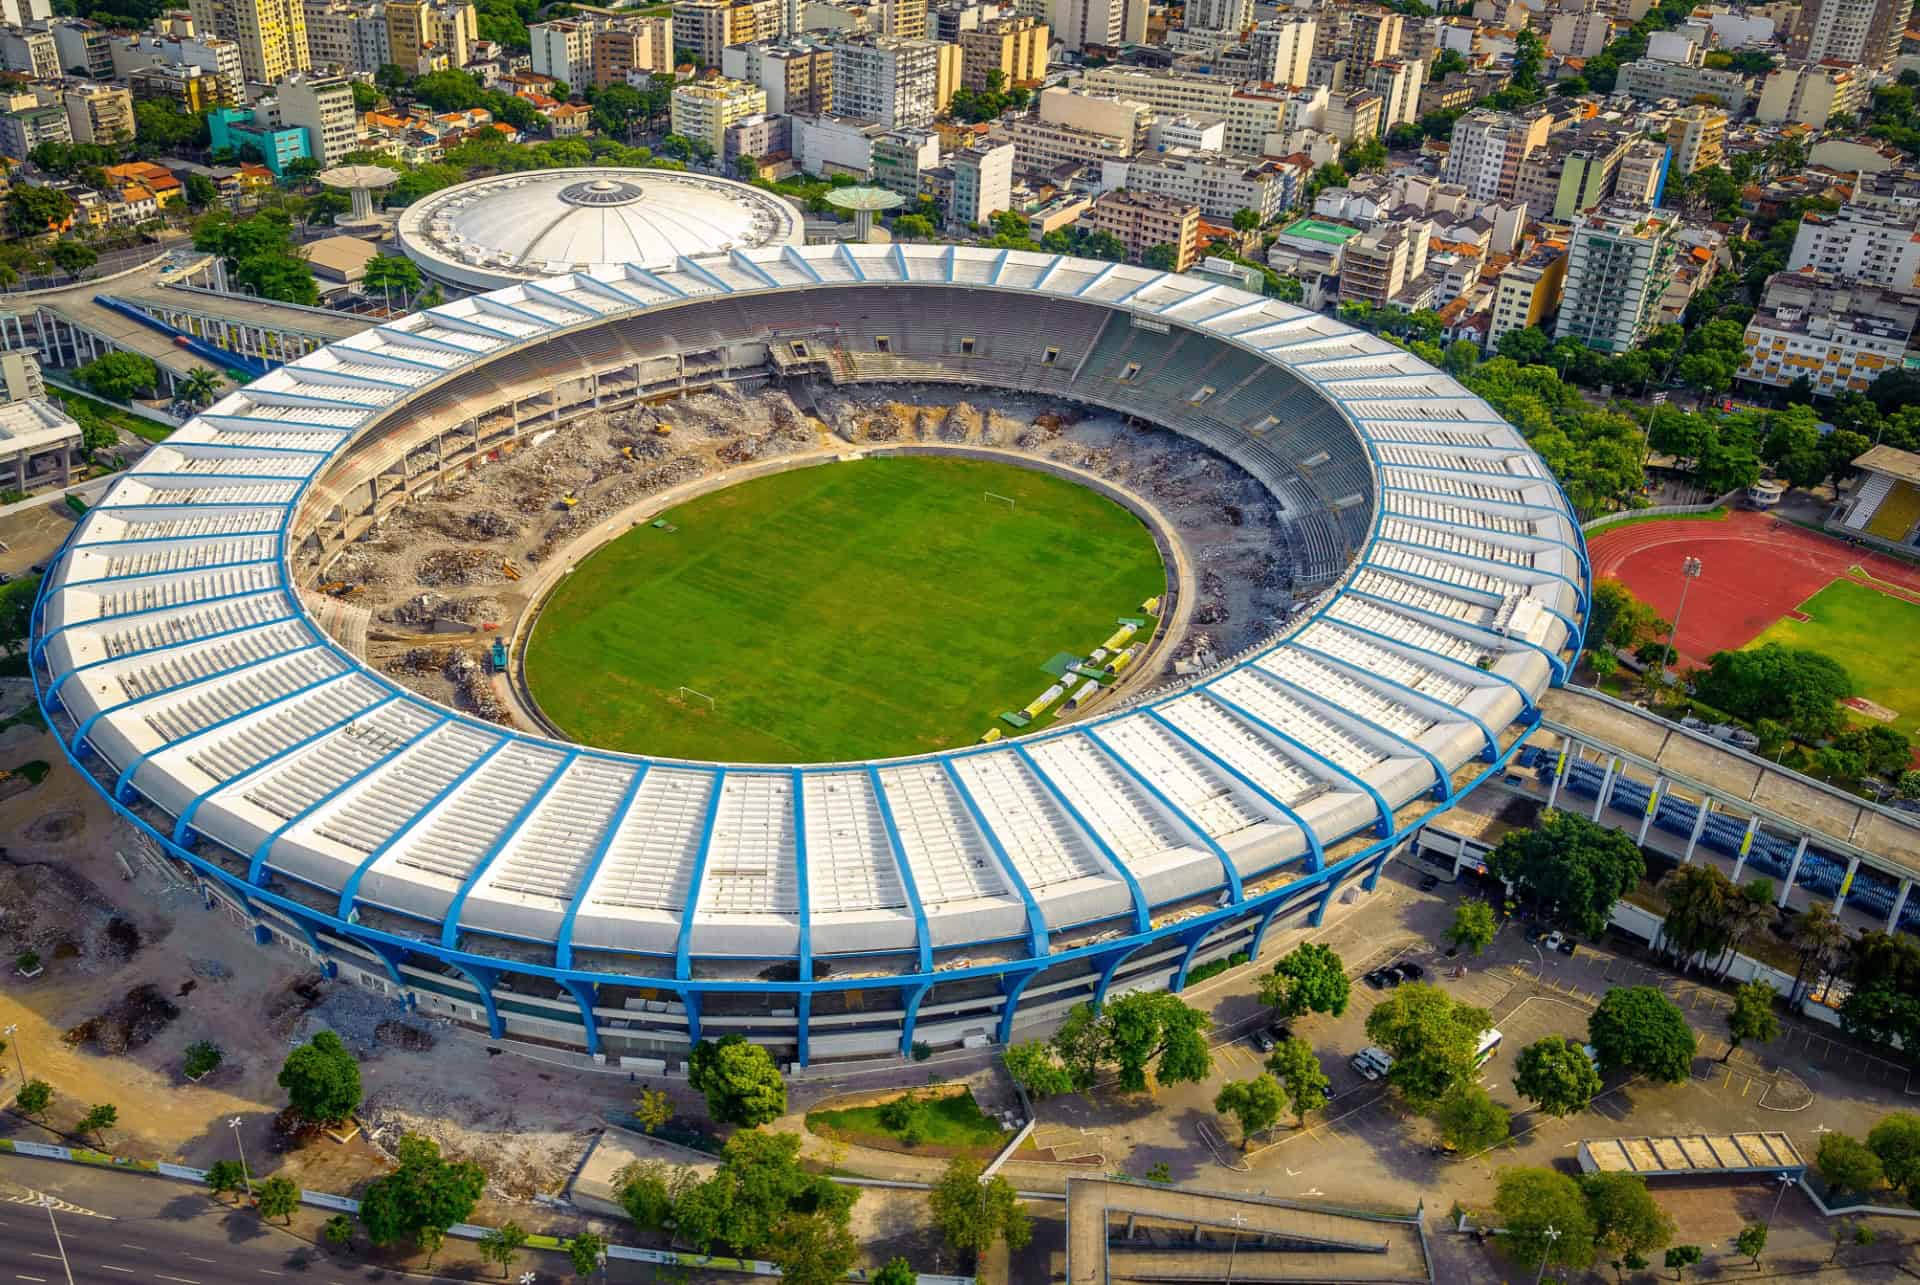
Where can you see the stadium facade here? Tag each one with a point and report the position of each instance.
(626, 906)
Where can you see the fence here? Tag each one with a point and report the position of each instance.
(1606, 520)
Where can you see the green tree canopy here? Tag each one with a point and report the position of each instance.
(1627, 1222)
(322, 1080)
(1752, 1017)
(1294, 1065)
(1255, 1103)
(1470, 1120)
(813, 1249)
(972, 1214)
(1556, 1075)
(1571, 868)
(1528, 1202)
(1432, 1038)
(277, 1197)
(741, 1084)
(1896, 1141)
(120, 376)
(1847, 1165)
(1638, 1029)
(1310, 978)
(1473, 927)
(422, 1197)
(760, 1182)
(1797, 687)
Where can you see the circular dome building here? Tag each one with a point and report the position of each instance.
(500, 231)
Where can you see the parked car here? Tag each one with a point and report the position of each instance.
(1409, 971)
(1382, 979)
(1567, 946)
(1429, 882)
(1261, 1041)
(1372, 1063)
(1279, 1032)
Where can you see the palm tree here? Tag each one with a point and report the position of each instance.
(1819, 936)
(199, 387)
(1699, 899)
(1747, 914)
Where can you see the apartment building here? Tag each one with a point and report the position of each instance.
(1040, 146)
(23, 130)
(1528, 290)
(346, 33)
(1874, 245)
(18, 13)
(1619, 264)
(1579, 35)
(1809, 93)
(1838, 335)
(31, 52)
(1650, 79)
(98, 113)
(216, 58)
(643, 45)
(1487, 149)
(1233, 16)
(1863, 33)
(1698, 135)
(1398, 81)
(1355, 116)
(886, 79)
(1167, 92)
(423, 32)
(1105, 24)
(1142, 220)
(1283, 49)
(796, 75)
(1590, 168)
(1642, 176)
(1377, 36)
(83, 47)
(1015, 47)
(271, 34)
(1377, 266)
(1121, 118)
(259, 129)
(190, 89)
(563, 50)
(704, 109)
(982, 182)
(706, 27)
(1221, 185)
(901, 156)
(323, 106)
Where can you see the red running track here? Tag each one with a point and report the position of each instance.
(1755, 569)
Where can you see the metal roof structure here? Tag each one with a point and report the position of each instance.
(176, 661)
(1693, 1154)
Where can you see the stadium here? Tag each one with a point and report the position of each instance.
(625, 905)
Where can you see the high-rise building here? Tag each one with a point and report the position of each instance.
(1355, 116)
(85, 48)
(1838, 335)
(1102, 23)
(98, 113)
(1142, 220)
(796, 75)
(1014, 47)
(632, 44)
(1283, 50)
(29, 50)
(1487, 149)
(1868, 244)
(886, 79)
(982, 182)
(22, 131)
(418, 30)
(1377, 34)
(190, 89)
(1698, 136)
(705, 109)
(212, 56)
(705, 27)
(1642, 177)
(1398, 82)
(18, 13)
(1619, 263)
(272, 34)
(900, 156)
(1591, 166)
(1808, 93)
(346, 33)
(1528, 290)
(563, 50)
(1864, 33)
(1221, 185)
(1219, 15)
(323, 106)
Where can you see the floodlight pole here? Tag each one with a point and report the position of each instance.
(1689, 572)
(1551, 1234)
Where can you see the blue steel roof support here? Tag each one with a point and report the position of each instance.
(1474, 475)
(900, 263)
(606, 290)
(1059, 261)
(656, 281)
(209, 537)
(1360, 674)
(999, 266)
(1387, 353)
(405, 338)
(746, 264)
(802, 889)
(923, 935)
(683, 946)
(1256, 307)
(255, 449)
(1128, 298)
(326, 375)
(468, 326)
(184, 821)
(693, 267)
(1441, 777)
(1097, 279)
(281, 397)
(1316, 852)
(350, 890)
(947, 262)
(246, 423)
(1212, 693)
(1526, 701)
(1508, 568)
(450, 922)
(1492, 534)
(1142, 913)
(563, 940)
(846, 256)
(1181, 300)
(1545, 510)
(209, 481)
(172, 688)
(1036, 922)
(1573, 630)
(559, 300)
(790, 255)
(1228, 870)
(377, 356)
(134, 764)
(1401, 397)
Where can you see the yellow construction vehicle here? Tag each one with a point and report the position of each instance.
(663, 428)
(510, 571)
(568, 500)
(626, 452)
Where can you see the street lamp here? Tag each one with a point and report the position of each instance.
(46, 1202)
(1785, 1180)
(245, 1177)
(1689, 572)
(1233, 1246)
(8, 1030)
(1551, 1234)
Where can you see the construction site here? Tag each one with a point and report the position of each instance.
(431, 587)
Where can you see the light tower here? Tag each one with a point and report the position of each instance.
(360, 182)
(865, 202)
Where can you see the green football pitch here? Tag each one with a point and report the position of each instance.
(876, 607)
(1869, 632)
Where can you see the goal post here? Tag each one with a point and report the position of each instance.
(994, 497)
(699, 695)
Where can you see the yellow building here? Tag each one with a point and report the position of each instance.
(272, 34)
(1528, 291)
(1014, 47)
(705, 109)
(947, 70)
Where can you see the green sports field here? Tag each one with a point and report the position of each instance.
(874, 607)
(1869, 632)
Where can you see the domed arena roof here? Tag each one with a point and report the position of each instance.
(497, 231)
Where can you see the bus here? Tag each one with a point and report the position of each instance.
(1489, 1045)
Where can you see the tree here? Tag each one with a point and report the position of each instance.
(1752, 1017)
(1570, 867)
(322, 1080)
(1556, 1075)
(653, 1109)
(1255, 1103)
(119, 376)
(423, 1197)
(200, 385)
(1848, 1165)
(1617, 618)
(1896, 1141)
(1627, 1222)
(35, 211)
(741, 1084)
(1699, 911)
(339, 1231)
(201, 191)
(33, 1098)
(1165, 257)
(1752, 1241)
(502, 1244)
(277, 1197)
(1681, 1257)
(972, 1214)
(1298, 1071)
(225, 1176)
(1473, 926)
(1034, 1068)
(1159, 1030)
(646, 1190)
(1245, 220)
(1531, 1200)
(387, 273)
(72, 257)
(1817, 937)
(760, 1181)
(913, 227)
(813, 1249)
(1798, 687)
(1432, 1038)
(1310, 978)
(1470, 1120)
(99, 1118)
(896, 1272)
(584, 1252)
(1638, 1029)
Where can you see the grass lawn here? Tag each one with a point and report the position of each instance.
(1711, 515)
(865, 608)
(82, 407)
(1875, 636)
(952, 1125)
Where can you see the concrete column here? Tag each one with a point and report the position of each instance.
(1699, 824)
(1746, 846)
(1569, 755)
(1793, 869)
(1899, 904)
(1606, 786)
(1653, 806)
(1840, 897)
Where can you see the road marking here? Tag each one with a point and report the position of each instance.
(196, 1258)
(21, 1276)
(127, 1244)
(52, 1258)
(110, 1267)
(264, 1272)
(181, 1279)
